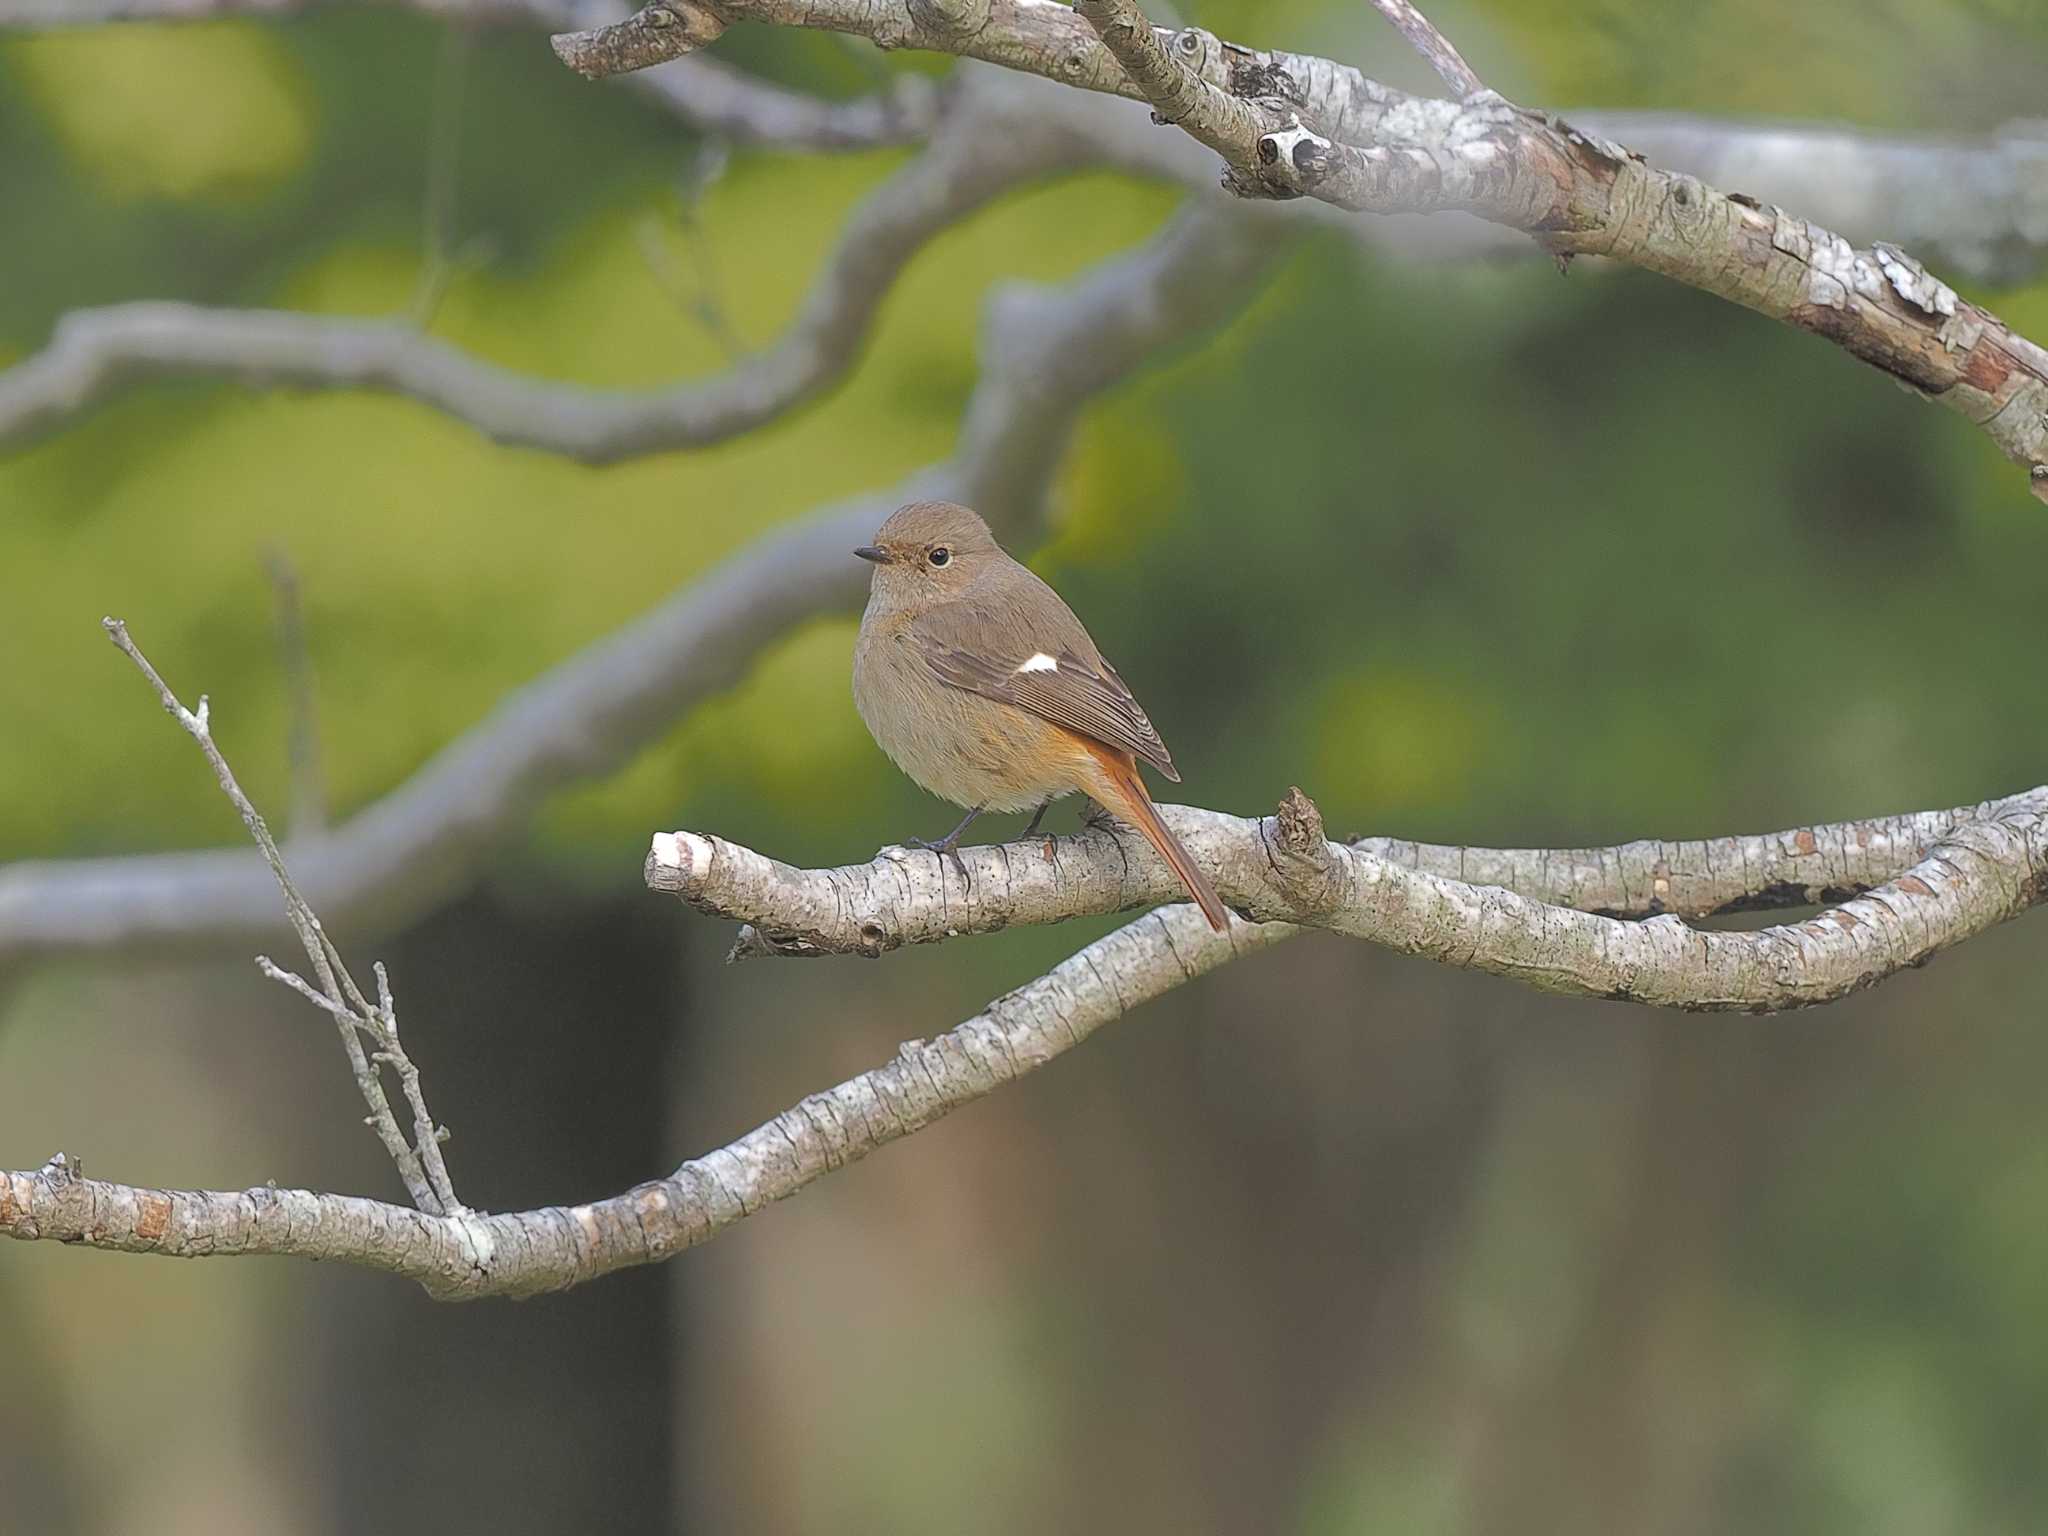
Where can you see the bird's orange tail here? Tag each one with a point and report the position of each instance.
(1125, 794)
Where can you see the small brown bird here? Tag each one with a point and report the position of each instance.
(982, 686)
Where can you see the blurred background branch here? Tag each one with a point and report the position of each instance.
(989, 148)
(464, 1256)
(1045, 354)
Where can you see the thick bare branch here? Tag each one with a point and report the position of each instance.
(468, 1255)
(1800, 867)
(1946, 876)
(1291, 125)
(1046, 352)
(705, 93)
(977, 155)
(906, 897)
(1982, 203)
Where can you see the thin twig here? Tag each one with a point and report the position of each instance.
(340, 997)
(309, 790)
(426, 1135)
(444, 164)
(317, 998)
(1424, 38)
(702, 299)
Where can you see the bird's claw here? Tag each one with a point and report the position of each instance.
(949, 846)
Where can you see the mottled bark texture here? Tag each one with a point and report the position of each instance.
(1949, 874)
(1292, 125)
(1902, 888)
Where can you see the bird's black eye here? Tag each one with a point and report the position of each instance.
(939, 554)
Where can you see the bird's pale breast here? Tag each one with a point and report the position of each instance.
(967, 749)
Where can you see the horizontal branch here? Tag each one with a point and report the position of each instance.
(983, 149)
(1986, 193)
(1293, 125)
(712, 97)
(1046, 351)
(1904, 887)
(471, 1255)
(1982, 203)
(1692, 878)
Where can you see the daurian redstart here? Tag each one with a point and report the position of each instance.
(982, 686)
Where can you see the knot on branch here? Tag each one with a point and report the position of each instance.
(654, 34)
(2017, 840)
(1201, 52)
(1298, 154)
(1306, 869)
(953, 19)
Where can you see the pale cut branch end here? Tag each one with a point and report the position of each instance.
(1601, 922)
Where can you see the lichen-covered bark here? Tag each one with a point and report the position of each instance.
(1293, 125)
(1904, 888)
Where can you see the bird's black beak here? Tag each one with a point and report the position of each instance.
(872, 552)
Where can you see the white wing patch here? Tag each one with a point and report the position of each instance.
(1040, 662)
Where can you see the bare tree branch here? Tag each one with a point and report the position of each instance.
(1972, 869)
(905, 897)
(1434, 47)
(1693, 878)
(1292, 125)
(419, 1164)
(468, 1255)
(302, 745)
(988, 148)
(717, 98)
(1903, 888)
(1007, 138)
(1981, 202)
(1045, 353)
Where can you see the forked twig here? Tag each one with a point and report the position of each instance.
(421, 1166)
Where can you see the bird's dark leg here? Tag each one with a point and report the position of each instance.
(1037, 816)
(1098, 816)
(949, 845)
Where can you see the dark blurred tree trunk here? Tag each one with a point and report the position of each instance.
(42, 1486)
(544, 1034)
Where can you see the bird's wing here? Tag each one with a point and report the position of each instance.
(1057, 682)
